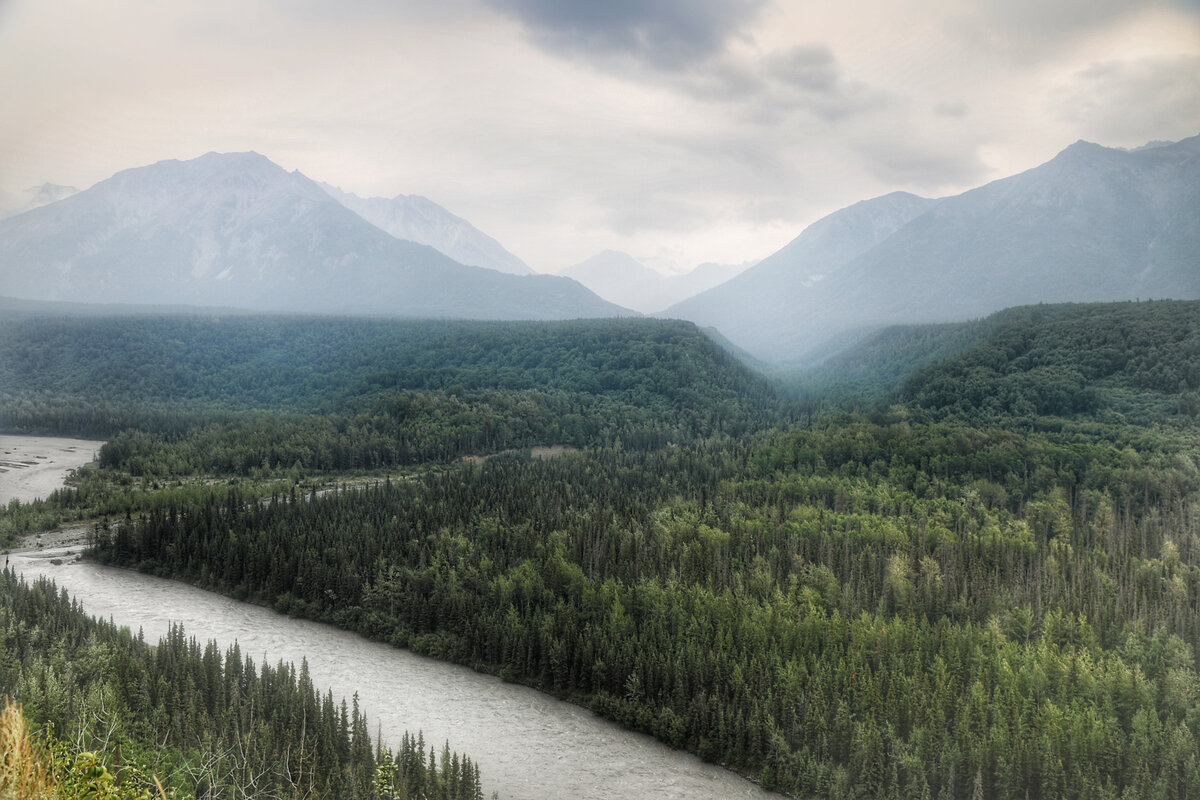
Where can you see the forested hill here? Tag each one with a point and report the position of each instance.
(1049, 360)
(308, 362)
(330, 393)
(1140, 360)
(878, 365)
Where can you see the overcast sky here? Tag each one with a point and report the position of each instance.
(680, 131)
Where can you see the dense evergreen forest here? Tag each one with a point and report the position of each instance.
(984, 582)
(120, 714)
(1140, 360)
(348, 394)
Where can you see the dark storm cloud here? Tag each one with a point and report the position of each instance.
(668, 34)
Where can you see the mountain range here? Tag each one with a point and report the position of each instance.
(1092, 224)
(419, 219)
(35, 197)
(620, 278)
(238, 230)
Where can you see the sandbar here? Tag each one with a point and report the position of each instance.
(31, 467)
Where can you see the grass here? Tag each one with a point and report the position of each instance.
(36, 767)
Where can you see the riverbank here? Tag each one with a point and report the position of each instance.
(68, 542)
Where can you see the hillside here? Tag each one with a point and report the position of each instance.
(311, 362)
(756, 308)
(190, 394)
(1138, 359)
(1141, 360)
(877, 365)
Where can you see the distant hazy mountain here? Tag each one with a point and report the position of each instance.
(420, 220)
(756, 308)
(36, 197)
(620, 278)
(1093, 224)
(237, 230)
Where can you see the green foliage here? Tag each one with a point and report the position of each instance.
(878, 366)
(186, 396)
(833, 608)
(990, 589)
(1140, 360)
(171, 366)
(117, 713)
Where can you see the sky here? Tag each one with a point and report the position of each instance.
(679, 131)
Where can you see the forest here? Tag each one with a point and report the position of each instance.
(182, 719)
(970, 570)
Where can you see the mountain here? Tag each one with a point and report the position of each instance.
(754, 308)
(420, 220)
(36, 197)
(620, 278)
(613, 274)
(704, 277)
(1093, 224)
(237, 230)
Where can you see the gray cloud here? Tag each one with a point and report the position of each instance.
(1117, 101)
(667, 34)
(806, 67)
(956, 109)
(1027, 29)
(920, 162)
(1038, 17)
(782, 87)
(628, 215)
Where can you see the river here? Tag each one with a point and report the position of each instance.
(527, 744)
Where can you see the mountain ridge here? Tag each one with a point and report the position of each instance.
(419, 219)
(1093, 224)
(238, 230)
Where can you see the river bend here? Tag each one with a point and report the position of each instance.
(526, 743)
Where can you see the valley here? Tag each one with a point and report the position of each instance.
(986, 576)
(523, 400)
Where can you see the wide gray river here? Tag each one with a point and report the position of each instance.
(527, 744)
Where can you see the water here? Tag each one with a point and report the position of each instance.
(527, 744)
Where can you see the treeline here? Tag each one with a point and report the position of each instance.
(889, 610)
(207, 723)
(401, 429)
